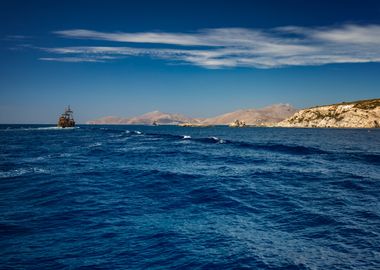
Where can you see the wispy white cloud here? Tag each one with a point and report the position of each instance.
(350, 34)
(232, 47)
(16, 37)
(77, 59)
(149, 37)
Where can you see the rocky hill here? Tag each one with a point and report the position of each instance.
(107, 120)
(145, 119)
(268, 115)
(357, 114)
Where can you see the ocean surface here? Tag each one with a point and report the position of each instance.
(166, 197)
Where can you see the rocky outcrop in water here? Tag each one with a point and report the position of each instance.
(237, 123)
(357, 114)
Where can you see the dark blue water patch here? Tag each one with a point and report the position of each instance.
(287, 149)
(7, 229)
(139, 197)
(367, 158)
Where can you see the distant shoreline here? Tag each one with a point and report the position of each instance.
(201, 127)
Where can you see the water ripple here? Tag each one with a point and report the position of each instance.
(138, 197)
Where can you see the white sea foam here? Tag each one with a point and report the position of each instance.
(218, 140)
(137, 132)
(186, 137)
(51, 128)
(95, 144)
(57, 128)
(22, 171)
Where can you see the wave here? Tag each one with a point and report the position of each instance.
(362, 157)
(289, 149)
(282, 148)
(273, 147)
(211, 140)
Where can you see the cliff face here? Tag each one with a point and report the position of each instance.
(358, 114)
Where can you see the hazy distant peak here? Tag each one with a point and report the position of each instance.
(154, 113)
(151, 114)
(278, 105)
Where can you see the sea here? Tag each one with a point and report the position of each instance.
(168, 197)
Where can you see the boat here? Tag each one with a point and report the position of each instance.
(66, 119)
(155, 123)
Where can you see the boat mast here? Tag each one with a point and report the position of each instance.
(69, 113)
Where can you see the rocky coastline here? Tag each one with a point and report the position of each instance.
(357, 114)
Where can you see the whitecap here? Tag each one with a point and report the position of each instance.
(95, 144)
(185, 137)
(216, 139)
(13, 173)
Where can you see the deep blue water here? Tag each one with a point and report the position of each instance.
(138, 197)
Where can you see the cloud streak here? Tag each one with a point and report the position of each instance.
(230, 47)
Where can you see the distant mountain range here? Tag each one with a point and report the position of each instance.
(145, 119)
(356, 114)
(264, 116)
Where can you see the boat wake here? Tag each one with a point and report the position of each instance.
(38, 128)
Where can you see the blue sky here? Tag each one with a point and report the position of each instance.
(199, 58)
